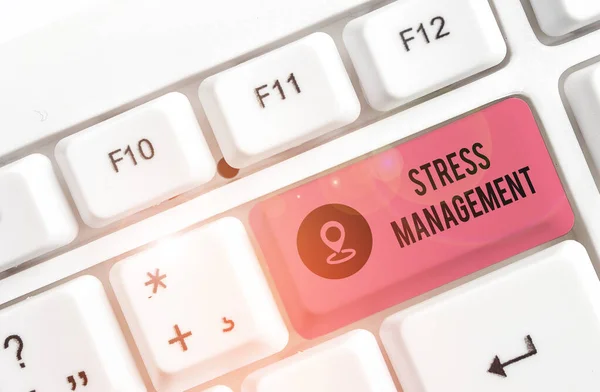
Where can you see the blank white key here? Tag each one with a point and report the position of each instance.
(35, 217)
(66, 339)
(411, 48)
(279, 100)
(559, 17)
(199, 306)
(135, 160)
(532, 326)
(583, 92)
(349, 363)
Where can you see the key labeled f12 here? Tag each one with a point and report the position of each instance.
(410, 34)
(411, 48)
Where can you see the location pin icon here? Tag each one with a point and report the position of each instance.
(336, 246)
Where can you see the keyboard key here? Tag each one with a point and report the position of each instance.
(411, 48)
(349, 363)
(279, 100)
(66, 339)
(142, 50)
(560, 17)
(532, 326)
(198, 306)
(35, 217)
(583, 89)
(136, 160)
(412, 218)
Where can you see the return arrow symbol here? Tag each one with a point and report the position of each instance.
(497, 367)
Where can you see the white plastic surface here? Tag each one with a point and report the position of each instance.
(135, 160)
(65, 339)
(560, 17)
(69, 72)
(22, 17)
(218, 388)
(533, 326)
(279, 100)
(350, 363)
(583, 91)
(199, 306)
(35, 217)
(411, 48)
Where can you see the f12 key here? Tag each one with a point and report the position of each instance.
(411, 48)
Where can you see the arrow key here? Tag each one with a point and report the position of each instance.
(497, 367)
(531, 326)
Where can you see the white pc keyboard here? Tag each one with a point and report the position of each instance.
(300, 196)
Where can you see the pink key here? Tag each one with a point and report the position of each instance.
(412, 218)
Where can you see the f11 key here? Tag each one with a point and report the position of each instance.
(412, 218)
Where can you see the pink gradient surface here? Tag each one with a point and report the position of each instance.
(380, 189)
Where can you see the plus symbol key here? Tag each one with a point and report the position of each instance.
(180, 338)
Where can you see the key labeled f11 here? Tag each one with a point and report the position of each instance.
(279, 100)
(262, 95)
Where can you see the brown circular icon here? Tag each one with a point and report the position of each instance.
(334, 241)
